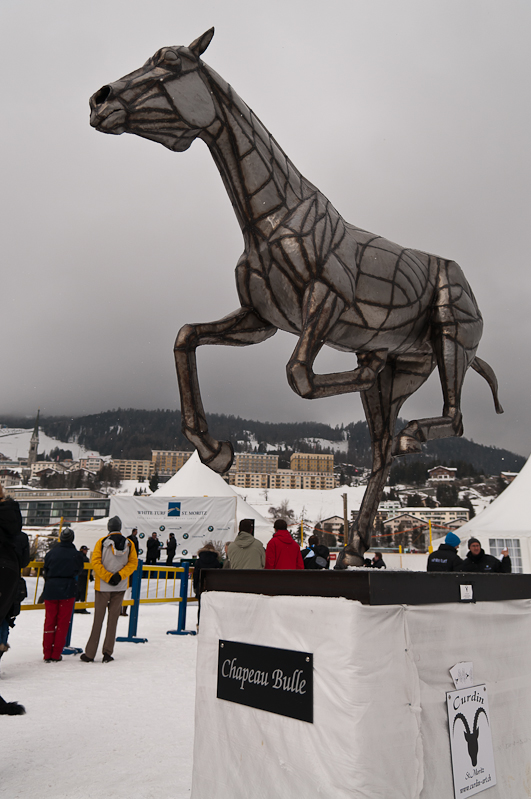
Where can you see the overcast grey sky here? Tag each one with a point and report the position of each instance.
(412, 116)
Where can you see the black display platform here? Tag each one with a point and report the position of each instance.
(370, 587)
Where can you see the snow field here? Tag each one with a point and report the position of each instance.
(91, 730)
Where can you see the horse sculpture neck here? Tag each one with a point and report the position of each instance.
(261, 181)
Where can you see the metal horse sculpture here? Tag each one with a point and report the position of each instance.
(307, 271)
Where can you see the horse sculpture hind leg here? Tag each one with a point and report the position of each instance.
(456, 331)
(398, 380)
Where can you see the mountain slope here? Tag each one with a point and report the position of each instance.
(131, 433)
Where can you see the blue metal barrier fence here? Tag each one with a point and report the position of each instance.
(163, 577)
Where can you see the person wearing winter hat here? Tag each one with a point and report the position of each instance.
(477, 560)
(246, 552)
(208, 557)
(316, 555)
(282, 551)
(446, 559)
(114, 558)
(62, 565)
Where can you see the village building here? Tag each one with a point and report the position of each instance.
(42, 507)
(508, 477)
(91, 462)
(440, 474)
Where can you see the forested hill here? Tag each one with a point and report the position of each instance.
(129, 433)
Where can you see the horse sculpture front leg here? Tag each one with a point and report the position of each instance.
(238, 329)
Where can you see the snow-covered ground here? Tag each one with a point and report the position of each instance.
(119, 730)
(15, 444)
(128, 487)
(314, 506)
(479, 501)
(325, 443)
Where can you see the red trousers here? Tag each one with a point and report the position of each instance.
(56, 622)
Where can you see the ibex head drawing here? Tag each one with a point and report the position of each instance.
(471, 737)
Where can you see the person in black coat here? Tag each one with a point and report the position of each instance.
(82, 580)
(62, 565)
(153, 549)
(171, 548)
(134, 539)
(208, 558)
(316, 555)
(22, 552)
(477, 560)
(378, 562)
(446, 559)
(10, 530)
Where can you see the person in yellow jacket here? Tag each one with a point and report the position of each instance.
(114, 558)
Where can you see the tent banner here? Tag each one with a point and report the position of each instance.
(193, 520)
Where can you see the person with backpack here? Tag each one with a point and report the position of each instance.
(114, 558)
(316, 555)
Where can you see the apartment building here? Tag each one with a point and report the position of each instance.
(287, 478)
(249, 479)
(133, 470)
(92, 463)
(255, 462)
(166, 461)
(313, 462)
(436, 515)
(283, 478)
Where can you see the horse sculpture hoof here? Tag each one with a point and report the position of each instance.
(348, 557)
(222, 461)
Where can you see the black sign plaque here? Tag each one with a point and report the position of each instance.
(277, 680)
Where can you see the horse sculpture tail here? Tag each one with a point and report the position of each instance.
(487, 373)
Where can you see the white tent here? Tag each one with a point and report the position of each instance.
(506, 522)
(194, 479)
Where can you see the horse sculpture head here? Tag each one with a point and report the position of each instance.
(167, 100)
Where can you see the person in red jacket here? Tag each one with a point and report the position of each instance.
(282, 552)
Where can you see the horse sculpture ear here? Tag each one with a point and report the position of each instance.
(199, 46)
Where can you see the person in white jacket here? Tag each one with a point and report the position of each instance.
(114, 558)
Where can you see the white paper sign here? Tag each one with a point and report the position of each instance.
(193, 520)
(467, 593)
(463, 674)
(470, 740)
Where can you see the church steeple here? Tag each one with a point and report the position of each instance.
(34, 442)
